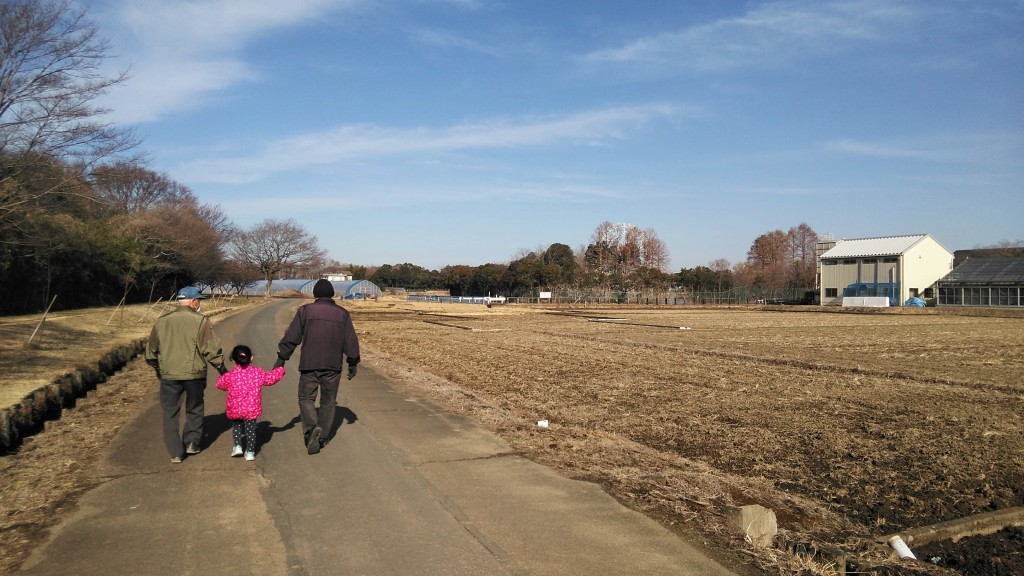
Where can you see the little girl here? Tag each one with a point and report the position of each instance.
(244, 402)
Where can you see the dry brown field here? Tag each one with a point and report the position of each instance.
(849, 426)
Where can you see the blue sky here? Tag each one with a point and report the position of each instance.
(466, 131)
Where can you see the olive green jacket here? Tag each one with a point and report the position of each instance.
(181, 344)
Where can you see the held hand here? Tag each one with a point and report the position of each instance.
(351, 371)
(279, 362)
(221, 369)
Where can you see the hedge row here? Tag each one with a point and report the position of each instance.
(29, 416)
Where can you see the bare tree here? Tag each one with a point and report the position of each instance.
(130, 188)
(655, 253)
(803, 241)
(236, 277)
(769, 257)
(275, 245)
(214, 215)
(1011, 248)
(51, 73)
(624, 248)
(600, 254)
(176, 240)
(721, 267)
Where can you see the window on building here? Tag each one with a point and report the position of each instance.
(829, 262)
(976, 296)
(831, 292)
(890, 260)
(950, 296)
(849, 261)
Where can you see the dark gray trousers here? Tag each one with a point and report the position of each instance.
(171, 392)
(326, 382)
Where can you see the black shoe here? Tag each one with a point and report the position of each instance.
(192, 448)
(313, 442)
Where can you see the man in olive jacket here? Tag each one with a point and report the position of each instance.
(326, 333)
(180, 346)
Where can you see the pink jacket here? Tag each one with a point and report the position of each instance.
(244, 384)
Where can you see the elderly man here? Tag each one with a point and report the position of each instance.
(180, 346)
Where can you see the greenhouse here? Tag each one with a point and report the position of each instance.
(984, 282)
(348, 290)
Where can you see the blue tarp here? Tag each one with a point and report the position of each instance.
(915, 302)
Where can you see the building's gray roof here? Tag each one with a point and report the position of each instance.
(865, 247)
(988, 271)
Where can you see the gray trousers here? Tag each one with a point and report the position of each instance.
(326, 382)
(171, 392)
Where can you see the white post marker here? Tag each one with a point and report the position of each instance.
(901, 548)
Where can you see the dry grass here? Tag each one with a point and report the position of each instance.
(848, 426)
(33, 353)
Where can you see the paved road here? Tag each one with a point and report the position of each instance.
(403, 488)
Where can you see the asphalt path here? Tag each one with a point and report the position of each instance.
(402, 488)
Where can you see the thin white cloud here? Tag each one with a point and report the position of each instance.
(964, 148)
(879, 150)
(349, 142)
(465, 4)
(180, 53)
(768, 34)
(378, 195)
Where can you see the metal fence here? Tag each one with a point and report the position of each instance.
(734, 296)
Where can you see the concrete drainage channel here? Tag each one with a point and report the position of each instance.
(46, 402)
(901, 545)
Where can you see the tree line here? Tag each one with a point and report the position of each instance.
(620, 259)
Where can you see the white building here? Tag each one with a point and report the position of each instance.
(341, 276)
(896, 267)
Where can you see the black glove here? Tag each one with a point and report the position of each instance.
(220, 368)
(351, 371)
(279, 363)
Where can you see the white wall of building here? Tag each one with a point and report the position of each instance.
(922, 265)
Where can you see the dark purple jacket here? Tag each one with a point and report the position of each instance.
(326, 333)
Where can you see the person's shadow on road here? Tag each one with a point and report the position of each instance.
(265, 432)
(216, 424)
(342, 415)
(213, 426)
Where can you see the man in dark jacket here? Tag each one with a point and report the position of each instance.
(180, 346)
(326, 333)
